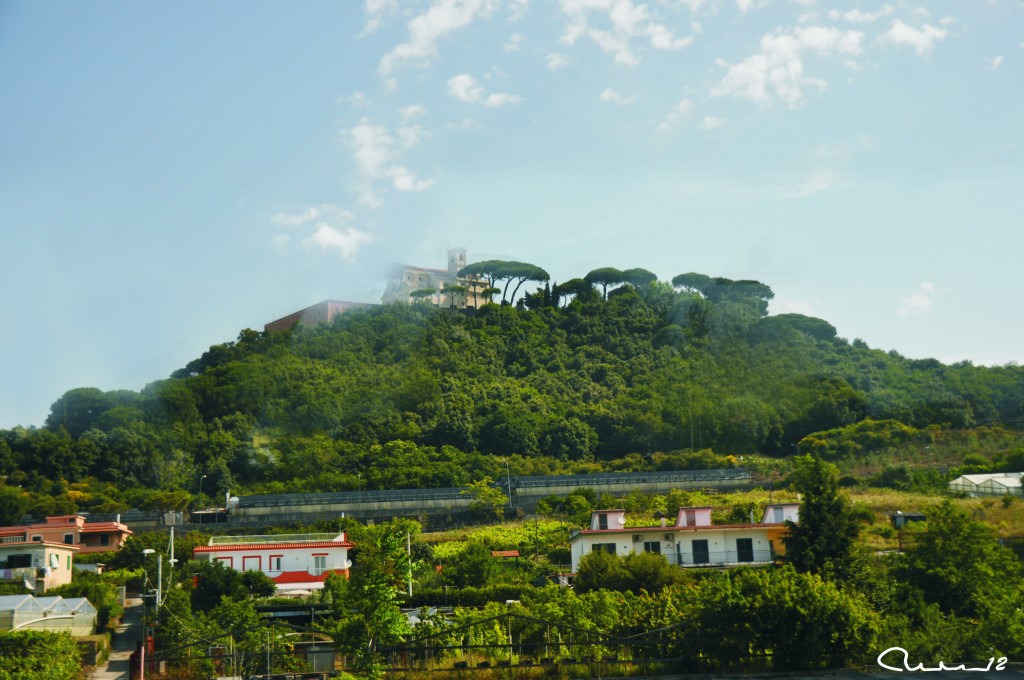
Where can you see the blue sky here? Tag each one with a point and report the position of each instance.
(171, 173)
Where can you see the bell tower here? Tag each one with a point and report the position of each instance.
(456, 260)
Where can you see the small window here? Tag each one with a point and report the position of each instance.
(37, 539)
(606, 547)
(602, 521)
(104, 539)
(652, 547)
(69, 539)
(691, 518)
(778, 515)
(319, 564)
(275, 563)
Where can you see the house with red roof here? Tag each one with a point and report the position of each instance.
(292, 561)
(693, 541)
(90, 537)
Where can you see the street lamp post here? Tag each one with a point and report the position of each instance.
(508, 480)
(145, 568)
(145, 631)
(201, 485)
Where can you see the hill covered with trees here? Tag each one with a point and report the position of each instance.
(580, 375)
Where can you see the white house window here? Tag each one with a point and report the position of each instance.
(778, 515)
(275, 563)
(602, 521)
(607, 547)
(652, 547)
(69, 539)
(319, 564)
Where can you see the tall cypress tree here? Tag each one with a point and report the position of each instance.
(825, 536)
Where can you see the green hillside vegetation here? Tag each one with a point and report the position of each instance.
(613, 371)
(954, 593)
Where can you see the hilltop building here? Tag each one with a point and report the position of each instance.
(408, 283)
(321, 312)
(405, 284)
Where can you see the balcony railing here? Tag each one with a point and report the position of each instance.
(720, 558)
(18, 574)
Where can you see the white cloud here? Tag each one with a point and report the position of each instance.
(465, 124)
(465, 88)
(856, 16)
(663, 39)
(375, 11)
(918, 302)
(921, 39)
(712, 123)
(425, 30)
(411, 135)
(514, 42)
(995, 62)
(285, 220)
(610, 96)
(678, 109)
(745, 6)
(556, 61)
(347, 243)
(357, 100)
(377, 160)
(947, 21)
(405, 180)
(820, 181)
(777, 70)
(517, 9)
(627, 21)
(412, 111)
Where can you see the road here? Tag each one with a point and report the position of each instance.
(122, 644)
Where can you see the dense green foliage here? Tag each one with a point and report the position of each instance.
(413, 396)
(38, 654)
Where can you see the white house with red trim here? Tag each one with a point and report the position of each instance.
(693, 541)
(292, 561)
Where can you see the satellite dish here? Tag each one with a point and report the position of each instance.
(622, 519)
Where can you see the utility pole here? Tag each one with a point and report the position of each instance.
(508, 480)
